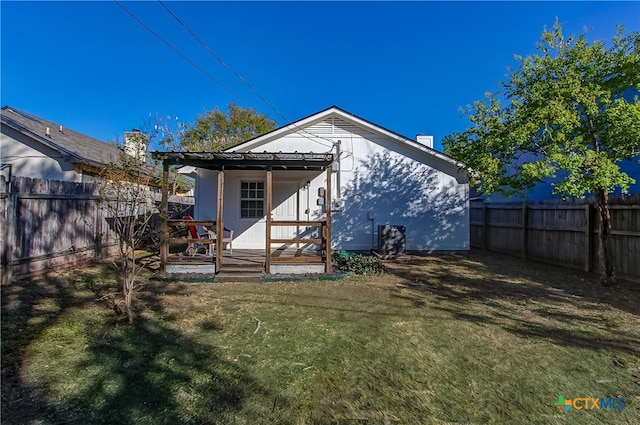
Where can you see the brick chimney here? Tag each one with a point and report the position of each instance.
(135, 144)
(425, 140)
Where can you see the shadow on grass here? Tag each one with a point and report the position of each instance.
(146, 373)
(101, 372)
(523, 297)
(29, 306)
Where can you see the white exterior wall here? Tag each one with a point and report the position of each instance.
(382, 181)
(31, 159)
(290, 200)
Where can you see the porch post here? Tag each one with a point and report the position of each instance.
(164, 216)
(327, 265)
(219, 221)
(269, 196)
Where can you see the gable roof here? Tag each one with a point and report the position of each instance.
(334, 111)
(77, 147)
(86, 152)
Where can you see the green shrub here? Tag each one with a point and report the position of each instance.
(357, 263)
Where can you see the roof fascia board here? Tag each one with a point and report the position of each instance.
(334, 111)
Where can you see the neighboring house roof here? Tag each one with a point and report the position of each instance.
(334, 111)
(81, 150)
(76, 147)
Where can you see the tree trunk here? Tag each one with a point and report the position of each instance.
(128, 280)
(605, 257)
(129, 276)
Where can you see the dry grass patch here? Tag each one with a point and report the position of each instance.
(477, 339)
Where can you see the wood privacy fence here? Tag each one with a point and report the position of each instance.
(560, 233)
(46, 224)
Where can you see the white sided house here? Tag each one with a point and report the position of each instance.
(377, 178)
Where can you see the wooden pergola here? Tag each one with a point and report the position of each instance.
(267, 161)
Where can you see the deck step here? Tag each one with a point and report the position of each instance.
(224, 276)
(233, 268)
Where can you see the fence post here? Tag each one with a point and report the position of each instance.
(164, 216)
(525, 217)
(10, 236)
(485, 226)
(588, 211)
(98, 230)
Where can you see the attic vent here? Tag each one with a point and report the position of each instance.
(322, 129)
(343, 127)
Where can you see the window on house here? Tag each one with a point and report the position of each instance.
(251, 199)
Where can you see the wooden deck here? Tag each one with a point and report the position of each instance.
(252, 258)
(259, 256)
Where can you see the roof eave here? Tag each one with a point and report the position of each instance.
(334, 110)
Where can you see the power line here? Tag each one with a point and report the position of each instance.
(219, 59)
(189, 61)
(241, 78)
(175, 50)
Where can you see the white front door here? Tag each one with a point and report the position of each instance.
(285, 207)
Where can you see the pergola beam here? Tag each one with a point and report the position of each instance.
(219, 221)
(269, 195)
(224, 161)
(164, 216)
(248, 161)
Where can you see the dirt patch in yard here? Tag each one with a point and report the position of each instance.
(484, 275)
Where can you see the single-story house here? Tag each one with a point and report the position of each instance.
(35, 147)
(339, 169)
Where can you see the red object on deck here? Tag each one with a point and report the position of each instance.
(192, 229)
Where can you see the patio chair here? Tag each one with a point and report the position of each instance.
(195, 248)
(227, 237)
(207, 233)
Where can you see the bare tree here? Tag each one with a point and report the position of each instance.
(128, 206)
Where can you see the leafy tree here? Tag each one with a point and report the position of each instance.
(216, 130)
(569, 112)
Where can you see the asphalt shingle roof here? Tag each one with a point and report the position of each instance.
(79, 147)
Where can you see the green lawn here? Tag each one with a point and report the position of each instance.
(470, 340)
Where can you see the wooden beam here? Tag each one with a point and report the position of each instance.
(296, 223)
(219, 221)
(200, 259)
(313, 241)
(525, 219)
(327, 267)
(303, 259)
(587, 237)
(164, 216)
(187, 223)
(269, 194)
(298, 213)
(9, 236)
(485, 226)
(181, 241)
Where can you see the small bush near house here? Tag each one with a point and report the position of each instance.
(357, 263)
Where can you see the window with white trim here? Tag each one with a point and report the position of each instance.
(252, 199)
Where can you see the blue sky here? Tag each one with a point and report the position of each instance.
(406, 66)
